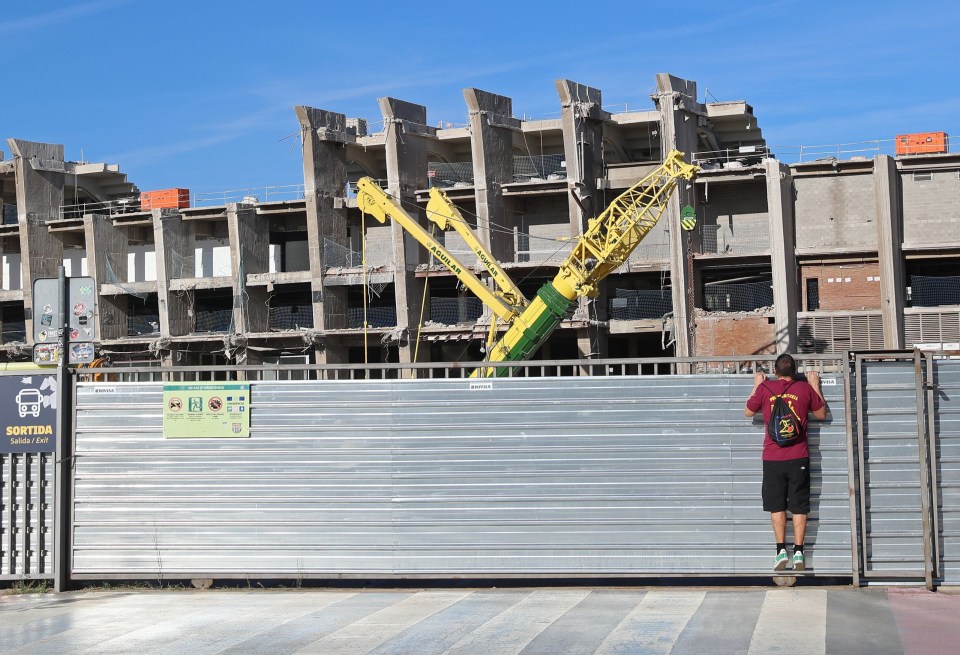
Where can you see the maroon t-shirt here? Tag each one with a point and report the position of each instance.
(801, 397)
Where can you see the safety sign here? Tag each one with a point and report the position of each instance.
(206, 410)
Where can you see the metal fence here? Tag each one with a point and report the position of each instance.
(26, 516)
(253, 195)
(569, 468)
(907, 439)
(943, 403)
(598, 476)
(116, 207)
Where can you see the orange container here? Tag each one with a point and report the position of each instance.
(922, 142)
(165, 199)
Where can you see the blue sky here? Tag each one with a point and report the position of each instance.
(201, 94)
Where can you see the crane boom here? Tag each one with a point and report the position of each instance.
(373, 200)
(445, 214)
(604, 247)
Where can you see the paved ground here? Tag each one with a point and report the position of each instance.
(484, 621)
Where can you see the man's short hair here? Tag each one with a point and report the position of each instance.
(785, 366)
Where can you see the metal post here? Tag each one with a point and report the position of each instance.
(64, 450)
(852, 486)
(932, 436)
(861, 445)
(923, 464)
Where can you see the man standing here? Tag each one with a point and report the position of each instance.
(786, 468)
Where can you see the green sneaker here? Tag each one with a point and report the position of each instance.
(798, 562)
(780, 562)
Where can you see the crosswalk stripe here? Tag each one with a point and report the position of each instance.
(654, 624)
(369, 632)
(512, 630)
(792, 621)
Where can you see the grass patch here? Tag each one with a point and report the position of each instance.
(27, 587)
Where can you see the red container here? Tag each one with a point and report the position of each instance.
(922, 142)
(165, 199)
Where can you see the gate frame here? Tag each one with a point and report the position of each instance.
(926, 459)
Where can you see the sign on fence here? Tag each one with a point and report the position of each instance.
(197, 411)
(28, 413)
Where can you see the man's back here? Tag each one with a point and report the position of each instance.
(801, 397)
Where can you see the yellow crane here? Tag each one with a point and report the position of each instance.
(604, 247)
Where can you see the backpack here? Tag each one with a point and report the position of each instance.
(784, 427)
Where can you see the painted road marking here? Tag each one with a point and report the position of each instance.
(654, 624)
(791, 621)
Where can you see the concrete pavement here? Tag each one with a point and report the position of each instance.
(486, 621)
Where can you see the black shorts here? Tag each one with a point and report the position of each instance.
(786, 486)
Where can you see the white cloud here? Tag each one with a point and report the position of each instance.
(21, 25)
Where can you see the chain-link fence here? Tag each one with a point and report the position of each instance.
(291, 317)
(14, 331)
(934, 291)
(9, 214)
(140, 324)
(737, 297)
(721, 240)
(214, 320)
(451, 311)
(339, 256)
(377, 317)
(543, 167)
(640, 304)
(444, 176)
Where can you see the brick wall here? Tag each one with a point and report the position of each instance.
(931, 207)
(843, 286)
(836, 212)
(734, 334)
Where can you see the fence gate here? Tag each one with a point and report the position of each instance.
(894, 507)
(26, 524)
(942, 397)
(907, 429)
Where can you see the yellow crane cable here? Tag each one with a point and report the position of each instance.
(423, 300)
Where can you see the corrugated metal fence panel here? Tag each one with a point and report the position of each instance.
(893, 537)
(533, 476)
(26, 516)
(947, 407)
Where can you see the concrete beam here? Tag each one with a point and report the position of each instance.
(249, 253)
(783, 260)
(676, 101)
(174, 245)
(492, 128)
(890, 250)
(39, 198)
(325, 135)
(107, 249)
(583, 120)
(406, 160)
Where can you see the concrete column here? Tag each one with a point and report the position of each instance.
(174, 242)
(107, 262)
(582, 117)
(492, 127)
(890, 250)
(249, 253)
(676, 100)
(324, 135)
(39, 171)
(783, 258)
(406, 152)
